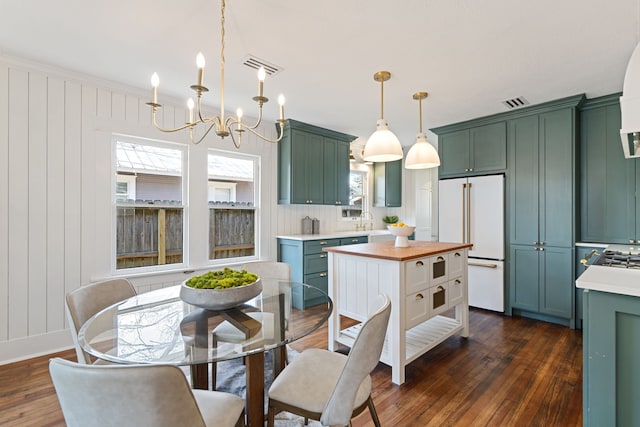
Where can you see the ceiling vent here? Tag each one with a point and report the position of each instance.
(255, 63)
(515, 102)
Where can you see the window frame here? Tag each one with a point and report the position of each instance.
(256, 159)
(184, 205)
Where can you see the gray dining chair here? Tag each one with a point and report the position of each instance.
(138, 395)
(331, 387)
(86, 301)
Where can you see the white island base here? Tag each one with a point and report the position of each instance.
(427, 285)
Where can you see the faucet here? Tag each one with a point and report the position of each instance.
(366, 214)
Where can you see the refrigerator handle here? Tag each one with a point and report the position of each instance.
(468, 213)
(464, 204)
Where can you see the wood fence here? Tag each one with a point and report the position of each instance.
(153, 235)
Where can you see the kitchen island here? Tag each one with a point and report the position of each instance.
(427, 285)
(611, 345)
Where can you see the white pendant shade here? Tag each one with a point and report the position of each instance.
(382, 145)
(422, 155)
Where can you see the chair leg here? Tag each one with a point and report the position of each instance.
(374, 414)
(240, 422)
(271, 415)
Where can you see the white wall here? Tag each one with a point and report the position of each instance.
(55, 194)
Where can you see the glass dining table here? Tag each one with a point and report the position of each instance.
(157, 327)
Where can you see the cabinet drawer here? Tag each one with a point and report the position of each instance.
(439, 299)
(439, 268)
(317, 280)
(315, 263)
(456, 263)
(416, 274)
(354, 240)
(417, 308)
(315, 246)
(456, 291)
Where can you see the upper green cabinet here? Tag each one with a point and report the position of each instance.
(387, 184)
(542, 178)
(313, 165)
(472, 151)
(609, 205)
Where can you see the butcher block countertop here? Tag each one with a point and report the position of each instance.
(388, 250)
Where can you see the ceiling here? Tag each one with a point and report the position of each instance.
(470, 55)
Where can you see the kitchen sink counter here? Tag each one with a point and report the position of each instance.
(335, 235)
(623, 281)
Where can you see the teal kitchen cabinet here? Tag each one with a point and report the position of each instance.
(313, 165)
(541, 214)
(542, 179)
(336, 172)
(539, 278)
(581, 253)
(472, 151)
(609, 184)
(611, 348)
(387, 184)
(309, 265)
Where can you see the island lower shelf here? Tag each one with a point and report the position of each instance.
(419, 339)
(427, 286)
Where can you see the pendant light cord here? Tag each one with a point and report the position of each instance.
(382, 97)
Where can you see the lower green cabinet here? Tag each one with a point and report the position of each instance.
(611, 346)
(309, 265)
(541, 284)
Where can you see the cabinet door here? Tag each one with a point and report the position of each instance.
(454, 153)
(387, 184)
(393, 184)
(523, 180)
(488, 148)
(524, 278)
(608, 181)
(336, 172)
(557, 183)
(637, 198)
(306, 168)
(556, 284)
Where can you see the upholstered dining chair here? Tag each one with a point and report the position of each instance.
(87, 300)
(138, 395)
(331, 387)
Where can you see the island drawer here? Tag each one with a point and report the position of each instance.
(417, 308)
(456, 291)
(417, 274)
(439, 268)
(354, 240)
(439, 298)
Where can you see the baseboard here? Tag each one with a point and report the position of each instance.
(34, 346)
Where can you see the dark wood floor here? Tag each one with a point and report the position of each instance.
(509, 372)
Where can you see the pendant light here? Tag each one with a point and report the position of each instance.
(382, 145)
(422, 154)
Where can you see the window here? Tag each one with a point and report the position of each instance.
(233, 190)
(358, 185)
(148, 198)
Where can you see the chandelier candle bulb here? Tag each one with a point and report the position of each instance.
(261, 76)
(281, 102)
(190, 106)
(200, 65)
(155, 82)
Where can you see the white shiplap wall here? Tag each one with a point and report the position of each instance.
(55, 191)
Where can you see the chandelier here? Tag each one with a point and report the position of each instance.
(221, 126)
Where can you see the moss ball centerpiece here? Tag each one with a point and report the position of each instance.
(220, 289)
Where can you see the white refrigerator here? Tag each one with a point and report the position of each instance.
(471, 210)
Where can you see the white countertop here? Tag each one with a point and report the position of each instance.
(334, 235)
(624, 281)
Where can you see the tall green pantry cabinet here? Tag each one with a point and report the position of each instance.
(542, 164)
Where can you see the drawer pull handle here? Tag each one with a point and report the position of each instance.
(354, 240)
(323, 255)
(457, 254)
(323, 242)
(439, 259)
(419, 297)
(482, 264)
(440, 289)
(457, 282)
(419, 263)
(323, 274)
